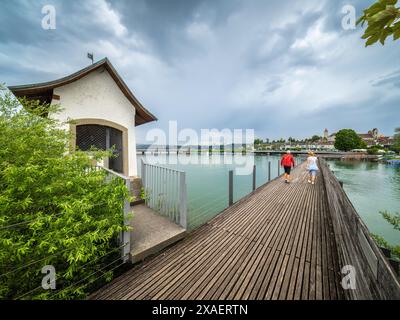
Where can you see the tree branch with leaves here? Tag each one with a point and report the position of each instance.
(383, 20)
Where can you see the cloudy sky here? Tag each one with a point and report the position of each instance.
(284, 68)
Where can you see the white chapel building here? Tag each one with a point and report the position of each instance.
(104, 111)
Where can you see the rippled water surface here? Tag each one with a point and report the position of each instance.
(372, 187)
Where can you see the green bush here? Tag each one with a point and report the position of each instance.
(394, 220)
(374, 150)
(348, 139)
(54, 210)
(396, 144)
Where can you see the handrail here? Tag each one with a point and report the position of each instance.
(125, 236)
(375, 278)
(119, 175)
(158, 166)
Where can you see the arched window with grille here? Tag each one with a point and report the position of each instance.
(102, 138)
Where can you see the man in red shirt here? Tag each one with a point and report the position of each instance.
(287, 162)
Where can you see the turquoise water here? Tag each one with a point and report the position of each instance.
(372, 187)
(208, 180)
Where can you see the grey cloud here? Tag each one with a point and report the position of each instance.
(163, 23)
(240, 75)
(273, 84)
(390, 79)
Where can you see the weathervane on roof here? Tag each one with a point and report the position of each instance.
(91, 56)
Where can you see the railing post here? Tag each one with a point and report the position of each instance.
(269, 171)
(254, 177)
(279, 168)
(143, 173)
(230, 188)
(126, 235)
(182, 200)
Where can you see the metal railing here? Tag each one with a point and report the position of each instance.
(165, 191)
(211, 199)
(125, 237)
(206, 200)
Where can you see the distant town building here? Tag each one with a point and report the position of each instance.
(371, 138)
(326, 134)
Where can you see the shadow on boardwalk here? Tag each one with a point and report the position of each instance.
(276, 243)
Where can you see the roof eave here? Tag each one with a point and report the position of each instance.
(142, 114)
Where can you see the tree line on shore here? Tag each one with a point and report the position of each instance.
(345, 140)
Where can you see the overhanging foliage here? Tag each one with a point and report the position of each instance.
(54, 210)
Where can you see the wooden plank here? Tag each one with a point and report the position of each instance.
(281, 285)
(195, 277)
(287, 290)
(313, 256)
(303, 259)
(271, 276)
(276, 243)
(216, 282)
(323, 275)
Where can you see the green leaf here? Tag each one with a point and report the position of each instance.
(388, 2)
(396, 34)
(384, 34)
(372, 40)
(376, 7)
(383, 17)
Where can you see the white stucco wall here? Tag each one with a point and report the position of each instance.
(97, 96)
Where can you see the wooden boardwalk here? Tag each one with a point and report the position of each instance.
(276, 243)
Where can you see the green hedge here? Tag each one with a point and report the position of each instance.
(54, 210)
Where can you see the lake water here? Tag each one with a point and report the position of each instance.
(372, 187)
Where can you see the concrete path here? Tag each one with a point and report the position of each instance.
(151, 233)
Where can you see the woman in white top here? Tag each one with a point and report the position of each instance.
(312, 167)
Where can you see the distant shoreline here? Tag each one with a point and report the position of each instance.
(325, 154)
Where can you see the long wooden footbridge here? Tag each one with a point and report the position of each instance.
(283, 241)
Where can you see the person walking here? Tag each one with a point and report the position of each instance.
(312, 167)
(287, 162)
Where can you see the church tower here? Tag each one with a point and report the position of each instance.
(326, 133)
